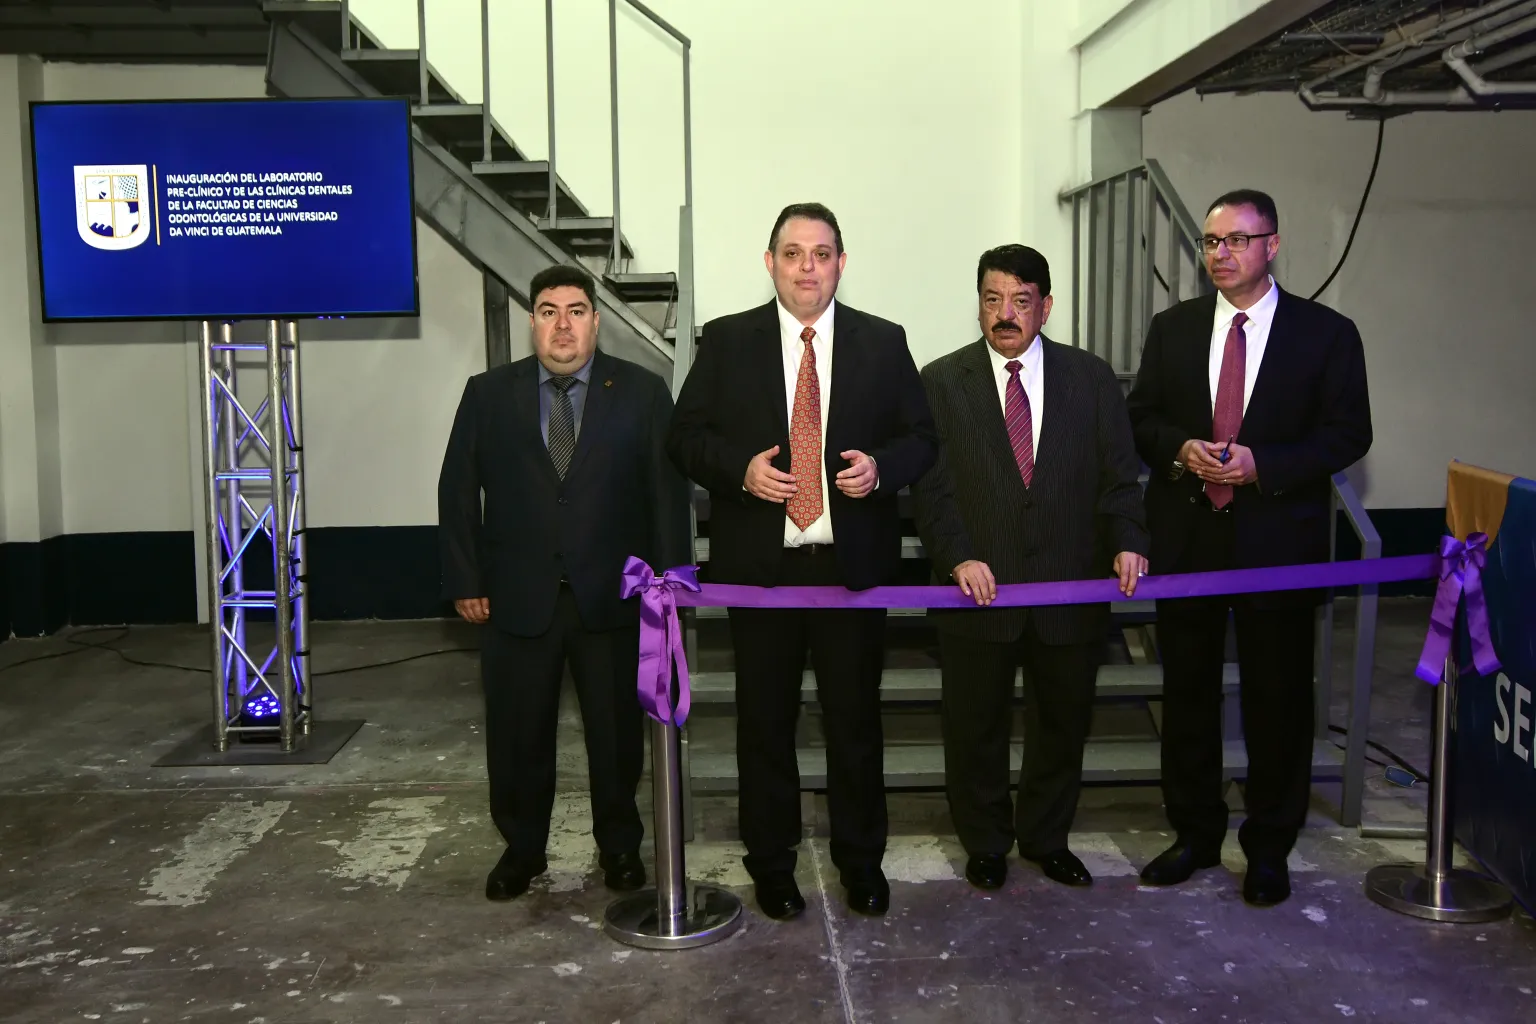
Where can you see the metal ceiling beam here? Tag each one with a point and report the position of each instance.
(168, 44)
(1241, 35)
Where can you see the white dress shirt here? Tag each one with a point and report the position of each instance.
(1032, 376)
(819, 532)
(1260, 316)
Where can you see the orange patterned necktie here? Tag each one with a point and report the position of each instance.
(805, 440)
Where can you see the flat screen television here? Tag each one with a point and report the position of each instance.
(227, 209)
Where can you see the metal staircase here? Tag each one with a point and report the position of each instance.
(1134, 253)
(510, 215)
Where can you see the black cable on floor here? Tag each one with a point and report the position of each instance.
(1381, 129)
(1399, 761)
(81, 646)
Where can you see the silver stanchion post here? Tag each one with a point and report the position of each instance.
(1435, 890)
(674, 914)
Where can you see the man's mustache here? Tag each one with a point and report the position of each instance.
(1006, 325)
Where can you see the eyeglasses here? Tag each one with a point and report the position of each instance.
(1235, 243)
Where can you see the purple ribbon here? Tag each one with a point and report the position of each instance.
(1461, 572)
(661, 636)
(1196, 584)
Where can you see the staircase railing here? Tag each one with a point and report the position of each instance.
(614, 264)
(1135, 252)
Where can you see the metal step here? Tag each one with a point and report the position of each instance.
(584, 236)
(671, 333)
(459, 128)
(322, 19)
(398, 73)
(901, 685)
(525, 184)
(1125, 613)
(922, 766)
(643, 287)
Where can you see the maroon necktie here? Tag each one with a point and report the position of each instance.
(1228, 420)
(1021, 427)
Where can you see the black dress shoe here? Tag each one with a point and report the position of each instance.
(1178, 862)
(1266, 883)
(779, 897)
(868, 891)
(1063, 866)
(987, 870)
(622, 872)
(510, 877)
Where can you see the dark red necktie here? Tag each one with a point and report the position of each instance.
(1228, 420)
(1021, 426)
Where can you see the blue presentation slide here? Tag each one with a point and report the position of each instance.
(225, 209)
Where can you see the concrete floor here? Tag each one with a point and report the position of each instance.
(351, 892)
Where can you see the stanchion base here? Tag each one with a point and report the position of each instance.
(1464, 897)
(714, 914)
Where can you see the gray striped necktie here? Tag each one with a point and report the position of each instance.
(562, 425)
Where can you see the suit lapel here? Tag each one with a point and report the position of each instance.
(846, 357)
(600, 398)
(525, 403)
(1199, 355)
(1059, 393)
(1267, 385)
(981, 395)
(767, 355)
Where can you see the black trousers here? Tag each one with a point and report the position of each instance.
(847, 649)
(521, 678)
(1274, 655)
(978, 724)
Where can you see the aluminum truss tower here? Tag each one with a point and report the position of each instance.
(253, 461)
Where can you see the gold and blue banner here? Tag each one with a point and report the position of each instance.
(1493, 762)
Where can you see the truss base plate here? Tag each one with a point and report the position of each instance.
(322, 744)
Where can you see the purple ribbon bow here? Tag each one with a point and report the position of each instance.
(661, 637)
(1461, 572)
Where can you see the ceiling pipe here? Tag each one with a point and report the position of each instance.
(1489, 15)
(1491, 19)
(1456, 55)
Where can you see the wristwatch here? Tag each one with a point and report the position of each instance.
(1177, 470)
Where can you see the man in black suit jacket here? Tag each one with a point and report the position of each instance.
(803, 418)
(1036, 481)
(566, 447)
(1245, 405)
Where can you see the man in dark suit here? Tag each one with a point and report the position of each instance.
(1036, 481)
(1245, 405)
(566, 448)
(803, 418)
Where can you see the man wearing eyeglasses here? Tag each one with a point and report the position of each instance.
(1245, 405)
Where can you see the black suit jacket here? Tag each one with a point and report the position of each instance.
(620, 497)
(1082, 508)
(1309, 417)
(733, 406)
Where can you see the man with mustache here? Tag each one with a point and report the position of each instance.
(565, 450)
(804, 417)
(1035, 482)
(1245, 405)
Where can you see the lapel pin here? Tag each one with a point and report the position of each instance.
(607, 383)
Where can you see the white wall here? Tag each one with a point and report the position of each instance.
(1436, 281)
(29, 406)
(909, 121)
